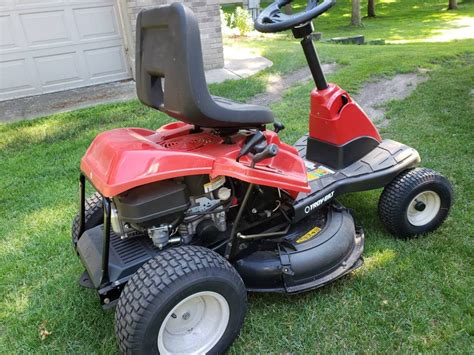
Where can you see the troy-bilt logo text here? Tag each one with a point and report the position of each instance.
(318, 203)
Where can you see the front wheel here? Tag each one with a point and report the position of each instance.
(416, 202)
(187, 300)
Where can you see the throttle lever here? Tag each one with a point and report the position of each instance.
(251, 142)
(269, 152)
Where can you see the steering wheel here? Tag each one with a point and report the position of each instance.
(271, 19)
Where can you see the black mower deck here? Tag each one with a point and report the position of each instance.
(374, 170)
(309, 256)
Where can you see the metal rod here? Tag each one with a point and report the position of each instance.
(106, 242)
(231, 245)
(264, 235)
(82, 205)
(314, 63)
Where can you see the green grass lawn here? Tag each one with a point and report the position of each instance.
(407, 20)
(410, 296)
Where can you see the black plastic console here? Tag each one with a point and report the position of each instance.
(339, 156)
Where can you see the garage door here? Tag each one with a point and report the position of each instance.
(52, 45)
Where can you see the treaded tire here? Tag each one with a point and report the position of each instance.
(164, 281)
(93, 217)
(397, 196)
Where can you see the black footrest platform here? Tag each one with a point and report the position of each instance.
(374, 170)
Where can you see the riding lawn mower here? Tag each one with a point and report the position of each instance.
(188, 218)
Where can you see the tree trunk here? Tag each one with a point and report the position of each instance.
(371, 8)
(355, 20)
(453, 5)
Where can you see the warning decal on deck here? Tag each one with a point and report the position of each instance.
(314, 172)
(308, 235)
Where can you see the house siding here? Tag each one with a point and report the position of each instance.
(208, 16)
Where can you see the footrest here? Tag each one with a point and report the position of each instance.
(374, 170)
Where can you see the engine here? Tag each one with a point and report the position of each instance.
(173, 211)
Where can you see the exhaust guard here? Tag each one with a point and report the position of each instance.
(335, 251)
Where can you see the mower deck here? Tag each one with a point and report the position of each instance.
(374, 170)
(309, 256)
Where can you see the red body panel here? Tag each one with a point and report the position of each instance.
(336, 119)
(124, 158)
(121, 159)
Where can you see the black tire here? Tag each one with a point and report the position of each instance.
(166, 280)
(94, 216)
(398, 196)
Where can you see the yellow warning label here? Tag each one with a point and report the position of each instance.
(308, 235)
(314, 173)
(311, 176)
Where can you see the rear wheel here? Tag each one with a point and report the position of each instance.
(415, 202)
(93, 216)
(186, 300)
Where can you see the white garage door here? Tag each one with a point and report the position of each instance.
(52, 45)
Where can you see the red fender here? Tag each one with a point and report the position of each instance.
(124, 158)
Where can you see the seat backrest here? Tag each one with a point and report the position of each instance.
(169, 46)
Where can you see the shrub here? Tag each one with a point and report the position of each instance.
(243, 21)
(226, 20)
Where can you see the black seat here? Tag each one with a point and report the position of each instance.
(169, 46)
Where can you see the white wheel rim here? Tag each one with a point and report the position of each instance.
(432, 204)
(194, 325)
